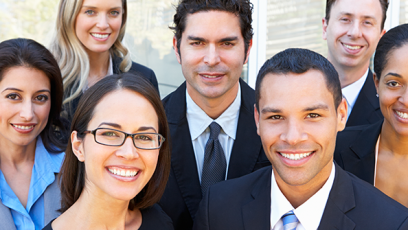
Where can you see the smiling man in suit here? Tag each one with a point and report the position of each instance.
(210, 115)
(352, 30)
(299, 111)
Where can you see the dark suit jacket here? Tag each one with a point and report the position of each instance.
(366, 110)
(355, 150)
(183, 192)
(69, 109)
(244, 203)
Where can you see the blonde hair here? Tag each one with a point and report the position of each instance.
(70, 53)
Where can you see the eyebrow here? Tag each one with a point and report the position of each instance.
(393, 74)
(364, 16)
(308, 109)
(115, 125)
(94, 7)
(19, 90)
(227, 39)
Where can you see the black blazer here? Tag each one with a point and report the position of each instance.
(244, 204)
(355, 150)
(366, 110)
(183, 192)
(69, 109)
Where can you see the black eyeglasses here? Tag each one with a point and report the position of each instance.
(113, 137)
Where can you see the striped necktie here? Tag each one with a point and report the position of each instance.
(289, 221)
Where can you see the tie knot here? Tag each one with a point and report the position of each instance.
(215, 130)
(289, 221)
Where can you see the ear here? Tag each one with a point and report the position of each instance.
(383, 32)
(248, 51)
(77, 146)
(342, 115)
(176, 50)
(324, 26)
(256, 117)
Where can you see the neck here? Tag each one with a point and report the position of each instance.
(348, 75)
(393, 142)
(299, 194)
(214, 107)
(15, 155)
(98, 66)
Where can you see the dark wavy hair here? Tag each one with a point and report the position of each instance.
(241, 8)
(395, 38)
(28, 53)
(73, 171)
(384, 6)
(296, 60)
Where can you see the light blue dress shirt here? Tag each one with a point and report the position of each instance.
(45, 166)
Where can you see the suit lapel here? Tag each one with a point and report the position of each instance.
(362, 164)
(52, 201)
(256, 213)
(183, 160)
(247, 144)
(341, 200)
(6, 220)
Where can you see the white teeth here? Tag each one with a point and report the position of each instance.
(402, 115)
(101, 36)
(209, 76)
(124, 173)
(295, 156)
(24, 127)
(352, 47)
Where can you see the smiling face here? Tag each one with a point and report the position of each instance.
(98, 24)
(352, 33)
(25, 104)
(212, 53)
(298, 123)
(392, 90)
(120, 172)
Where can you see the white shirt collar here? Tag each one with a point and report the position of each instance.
(352, 91)
(199, 121)
(309, 213)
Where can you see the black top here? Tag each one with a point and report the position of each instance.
(153, 218)
(69, 109)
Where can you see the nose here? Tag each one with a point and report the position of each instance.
(212, 56)
(102, 22)
(127, 150)
(27, 110)
(355, 29)
(404, 97)
(294, 133)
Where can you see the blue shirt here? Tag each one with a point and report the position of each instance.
(45, 165)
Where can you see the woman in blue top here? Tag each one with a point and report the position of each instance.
(31, 135)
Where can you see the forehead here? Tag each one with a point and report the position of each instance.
(293, 92)
(24, 77)
(212, 23)
(364, 8)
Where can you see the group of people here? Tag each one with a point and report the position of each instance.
(86, 142)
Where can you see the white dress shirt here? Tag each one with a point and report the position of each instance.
(309, 213)
(198, 122)
(352, 91)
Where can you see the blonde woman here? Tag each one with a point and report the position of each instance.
(88, 46)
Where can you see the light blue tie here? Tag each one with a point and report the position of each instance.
(289, 221)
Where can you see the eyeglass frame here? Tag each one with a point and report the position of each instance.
(132, 135)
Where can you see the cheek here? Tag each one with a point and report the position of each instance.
(43, 112)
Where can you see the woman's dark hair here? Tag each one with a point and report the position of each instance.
(21, 52)
(73, 171)
(395, 38)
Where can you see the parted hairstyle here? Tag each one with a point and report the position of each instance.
(384, 6)
(241, 8)
(73, 171)
(21, 52)
(298, 61)
(394, 39)
(70, 53)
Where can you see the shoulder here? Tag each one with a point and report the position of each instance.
(178, 96)
(48, 226)
(353, 133)
(136, 67)
(155, 218)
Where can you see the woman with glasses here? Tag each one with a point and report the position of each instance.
(31, 144)
(118, 159)
(88, 45)
(378, 153)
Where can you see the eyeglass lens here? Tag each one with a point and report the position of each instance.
(113, 137)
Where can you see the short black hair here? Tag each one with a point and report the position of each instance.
(395, 38)
(241, 8)
(295, 60)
